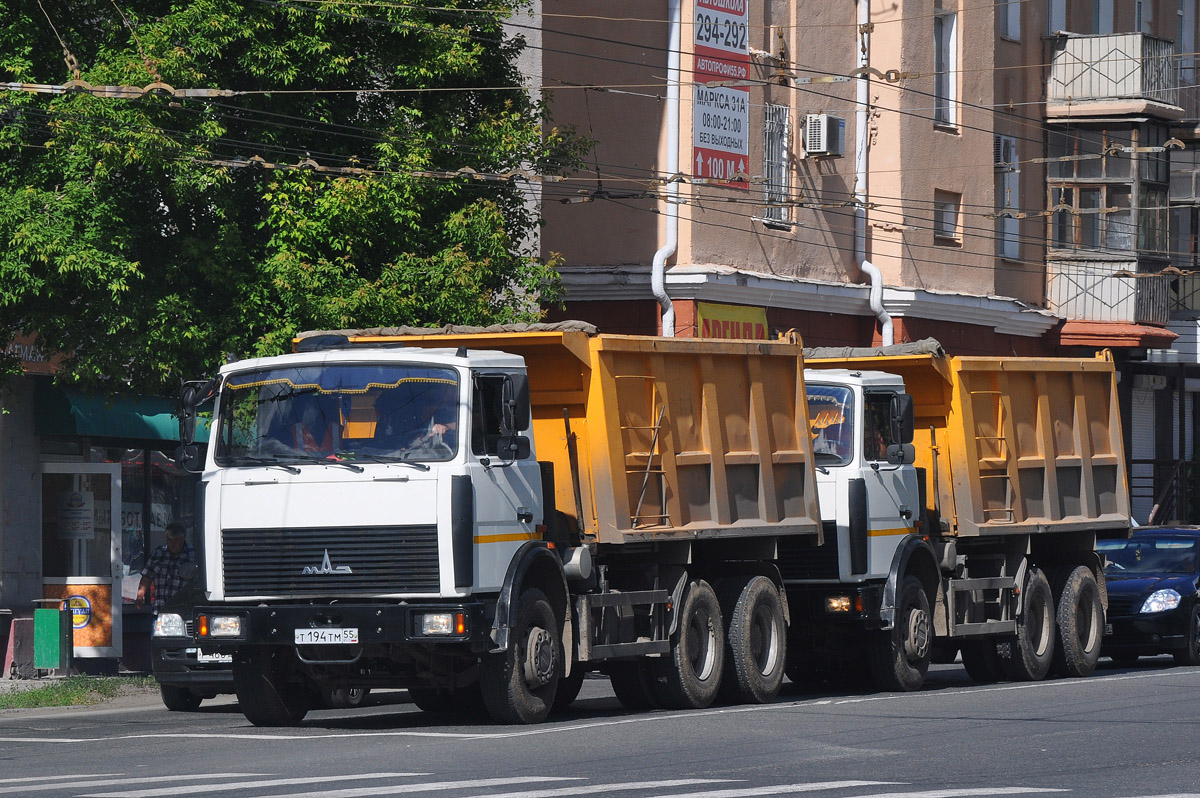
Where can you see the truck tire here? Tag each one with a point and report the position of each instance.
(463, 701)
(264, 697)
(899, 657)
(756, 640)
(634, 684)
(179, 699)
(345, 697)
(1027, 655)
(981, 661)
(568, 688)
(1190, 655)
(692, 669)
(519, 684)
(1080, 620)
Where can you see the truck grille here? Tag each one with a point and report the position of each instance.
(799, 559)
(339, 561)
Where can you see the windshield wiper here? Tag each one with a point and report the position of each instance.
(327, 460)
(270, 462)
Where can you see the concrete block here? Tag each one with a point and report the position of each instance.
(18, 654)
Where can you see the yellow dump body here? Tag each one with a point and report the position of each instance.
(672, 438)
(1014, 445)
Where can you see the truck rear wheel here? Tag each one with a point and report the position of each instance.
(519, 684)
(981, 661)
(692, 669)
(1028, 654)
(634, 684)
(1080, 624)
(264, 697)
(463, 701)
(756, 640)
(899, 657)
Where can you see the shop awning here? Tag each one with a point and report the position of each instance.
(64, 412)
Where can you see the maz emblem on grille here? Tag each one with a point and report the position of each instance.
(326, 568)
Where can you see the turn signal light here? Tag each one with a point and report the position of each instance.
(460, 623)
(202, 626)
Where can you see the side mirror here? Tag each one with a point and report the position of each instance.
(512, 447)
(192, 394)
(901, 454)
(903, 418)
(514, 413)
(188, 457)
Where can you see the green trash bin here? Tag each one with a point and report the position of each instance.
(53, 638)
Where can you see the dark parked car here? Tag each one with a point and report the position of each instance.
(186, 675)
(1153, 606)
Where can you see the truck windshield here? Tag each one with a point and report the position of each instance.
(346, 412)
(831, 423)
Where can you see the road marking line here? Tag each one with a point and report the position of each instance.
(432, 786)
(27, 779)
(247, 785)
(963, 793)
(779, 789)
(94, 782)
(593, 789)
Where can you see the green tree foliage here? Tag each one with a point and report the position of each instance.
(146, 235)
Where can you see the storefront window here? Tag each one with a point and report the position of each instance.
(155, 491)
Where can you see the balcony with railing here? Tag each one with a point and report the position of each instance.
(1108, 291)
(1113, 73)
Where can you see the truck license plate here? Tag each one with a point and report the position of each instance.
(327, 635)
(202, 657)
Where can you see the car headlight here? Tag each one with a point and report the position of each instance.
(168, 624)
(1161, 601)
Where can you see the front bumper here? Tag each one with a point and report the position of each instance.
(175, 662)
(863, 604)
(1150, 633)
(377, 624)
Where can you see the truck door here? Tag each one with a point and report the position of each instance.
(507, 489)
(891, 490)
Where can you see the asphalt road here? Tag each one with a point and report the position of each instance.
(1123, 732)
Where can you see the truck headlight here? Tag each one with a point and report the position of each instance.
(837, 604)
(442, 623)
(219, 626)
(1161, 601)
(168, 624)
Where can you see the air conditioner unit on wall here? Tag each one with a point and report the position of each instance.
(824, 135)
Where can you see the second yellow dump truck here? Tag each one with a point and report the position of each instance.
(975, 532)
(483, 516)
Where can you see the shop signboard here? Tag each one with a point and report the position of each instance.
(89, 599)
(721, 94)
(739, 322)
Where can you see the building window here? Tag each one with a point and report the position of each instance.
(776, 144)
(1008, 197)
(946, 218)
(1010, 19)
(1056, 15)
(946, 69)
(1091, 196)
(1143, 15)
(1102, 16)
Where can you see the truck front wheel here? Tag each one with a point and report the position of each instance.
(519, 684)
(692, 669)
(756, 653)
(264, 696)
(899, 657)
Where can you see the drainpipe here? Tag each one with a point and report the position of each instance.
(657, 276)
(862, 97)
